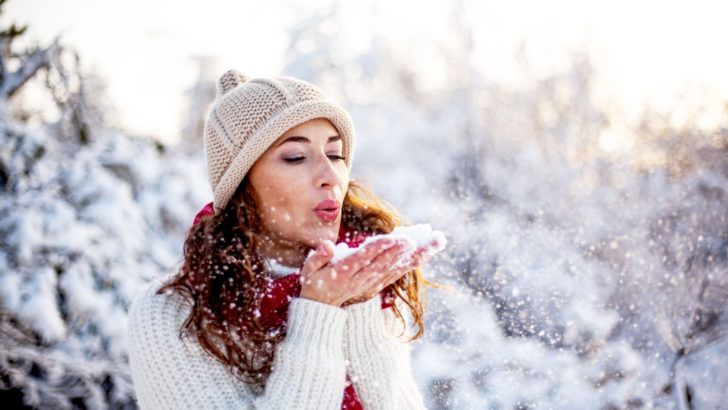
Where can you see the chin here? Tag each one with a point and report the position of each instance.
(325, 232)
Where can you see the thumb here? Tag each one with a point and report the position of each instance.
(319, 257)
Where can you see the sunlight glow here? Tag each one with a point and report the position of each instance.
(649, 52)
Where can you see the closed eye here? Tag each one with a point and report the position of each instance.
(294, 160)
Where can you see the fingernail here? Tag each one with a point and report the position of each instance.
(322, 250)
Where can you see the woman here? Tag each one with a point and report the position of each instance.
(257, 317)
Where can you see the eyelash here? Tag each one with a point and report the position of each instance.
(299, 159)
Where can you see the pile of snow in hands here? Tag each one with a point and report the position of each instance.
(420, 236)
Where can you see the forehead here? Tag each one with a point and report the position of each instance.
(319, 130)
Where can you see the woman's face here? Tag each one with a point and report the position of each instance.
(300, 182)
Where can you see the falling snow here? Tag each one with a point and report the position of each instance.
(573, 277)
(420, 236)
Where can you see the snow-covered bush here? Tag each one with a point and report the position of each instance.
(87, 215)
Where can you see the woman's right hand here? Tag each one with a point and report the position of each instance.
(336, 283)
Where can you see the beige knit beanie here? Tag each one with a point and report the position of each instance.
(250, 114)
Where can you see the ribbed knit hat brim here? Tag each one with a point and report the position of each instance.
(249, 115)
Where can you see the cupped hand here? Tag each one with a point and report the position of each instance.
(353, 276)
(359, 276)
(418, 258)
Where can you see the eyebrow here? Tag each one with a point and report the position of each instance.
(299, 138)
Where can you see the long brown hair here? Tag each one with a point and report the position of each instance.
(223, 278)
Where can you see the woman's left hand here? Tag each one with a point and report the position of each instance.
(419, 257)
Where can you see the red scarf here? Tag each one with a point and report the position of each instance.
(274, 304)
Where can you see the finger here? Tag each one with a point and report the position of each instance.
(329, 247)
(381, 273)
(383, 263)
(322, 255)
(375, 283)
(377, 272)
(394, 276)
(413, 260)
(400, 271)
(420, 260)
(363, 257)
(399, 275)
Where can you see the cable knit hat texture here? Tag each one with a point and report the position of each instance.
(250, 114)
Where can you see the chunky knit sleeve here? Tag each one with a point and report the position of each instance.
(172, 373)
(379, 359)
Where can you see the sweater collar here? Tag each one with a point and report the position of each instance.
(278, 269)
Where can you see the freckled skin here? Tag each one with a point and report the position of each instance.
(290, 179)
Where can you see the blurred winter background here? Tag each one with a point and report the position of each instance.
(574, 152)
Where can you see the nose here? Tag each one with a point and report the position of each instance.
(327, 175)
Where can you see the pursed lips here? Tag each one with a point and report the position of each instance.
(327, 210)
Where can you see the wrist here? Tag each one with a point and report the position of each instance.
(356, 300)
(319, 298)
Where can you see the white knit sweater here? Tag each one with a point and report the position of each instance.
(309, 370)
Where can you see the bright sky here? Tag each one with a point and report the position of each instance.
(645, 51)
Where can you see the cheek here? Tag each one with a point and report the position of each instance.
(281, 203)
(273, 202)
(343, 172)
